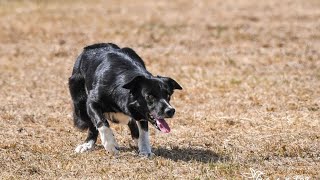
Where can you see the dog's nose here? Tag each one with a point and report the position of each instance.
(170, 112)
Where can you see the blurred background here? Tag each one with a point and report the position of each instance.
(250, 72)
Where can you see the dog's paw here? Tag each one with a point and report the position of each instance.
(88, 146)
(146, 154)
(112, 148)
(116, 145)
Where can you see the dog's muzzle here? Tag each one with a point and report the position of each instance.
(158, 123)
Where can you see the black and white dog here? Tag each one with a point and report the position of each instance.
(109, 83)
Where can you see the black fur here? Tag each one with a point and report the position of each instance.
(133, 129)
(107, 78)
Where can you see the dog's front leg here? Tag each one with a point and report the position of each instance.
(107, 139)
(143, 141)
(106, 134)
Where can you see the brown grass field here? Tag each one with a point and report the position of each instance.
(250, 70)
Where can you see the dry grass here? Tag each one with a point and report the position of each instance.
(250, 72)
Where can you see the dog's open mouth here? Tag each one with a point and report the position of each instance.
(159, 123)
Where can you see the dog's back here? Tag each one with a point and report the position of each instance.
(108, 46)
(93, 55)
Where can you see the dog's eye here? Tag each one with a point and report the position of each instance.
(150, 97)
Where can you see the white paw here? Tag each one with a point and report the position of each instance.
(85, 147)
(116, 144)
(145, 150)
(146, 154)
(112, 148)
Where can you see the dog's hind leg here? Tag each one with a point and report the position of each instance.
(90, 141)
(81, 118)
(79, 97)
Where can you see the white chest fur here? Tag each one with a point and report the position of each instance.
(117, 117)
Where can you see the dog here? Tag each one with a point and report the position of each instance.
(112, 84)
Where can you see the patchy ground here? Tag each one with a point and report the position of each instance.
(250, 72)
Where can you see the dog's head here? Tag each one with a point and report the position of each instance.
(150, 99)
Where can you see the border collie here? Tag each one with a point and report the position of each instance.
(111, 84)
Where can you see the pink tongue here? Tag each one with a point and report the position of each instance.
(163, 126)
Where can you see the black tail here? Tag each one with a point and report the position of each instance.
(79, 98)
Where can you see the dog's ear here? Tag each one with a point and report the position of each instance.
(133, 83)
(174, 84)
(171, 82)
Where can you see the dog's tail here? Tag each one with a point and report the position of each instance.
(78, 93)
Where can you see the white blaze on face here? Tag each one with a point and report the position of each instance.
(166, 103)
